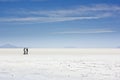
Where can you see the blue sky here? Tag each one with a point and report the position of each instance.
(60, 23)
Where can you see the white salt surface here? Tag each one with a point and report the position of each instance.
(66, 64)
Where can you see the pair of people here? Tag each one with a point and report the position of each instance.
(25, 51)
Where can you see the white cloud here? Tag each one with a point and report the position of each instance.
(45, 19)
(91, 10)
(79, 13)
(90, 31)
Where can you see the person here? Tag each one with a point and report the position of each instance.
(25, 51)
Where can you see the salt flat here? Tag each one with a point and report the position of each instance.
(60, 64)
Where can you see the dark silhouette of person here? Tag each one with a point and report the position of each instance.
(25, 51)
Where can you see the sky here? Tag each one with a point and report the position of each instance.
(60, 23)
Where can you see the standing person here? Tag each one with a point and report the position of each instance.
(25, 51)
